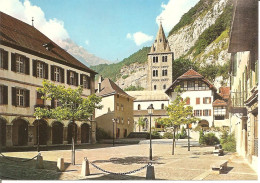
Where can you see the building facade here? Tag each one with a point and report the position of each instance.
(27, 57)
(116, 116)
(244, 79)
(160, 58)
(199, 93)
(143, 100)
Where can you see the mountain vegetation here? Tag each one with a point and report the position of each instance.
(202, 56)
(112, 71)
(186, 19)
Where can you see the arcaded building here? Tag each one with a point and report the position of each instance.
(27, 57)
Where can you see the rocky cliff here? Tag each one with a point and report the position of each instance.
(209, 18)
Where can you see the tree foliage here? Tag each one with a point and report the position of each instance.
(112, 71)
(134, 88)
(178, 112)
(72, 106)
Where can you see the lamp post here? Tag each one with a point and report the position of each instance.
(188, 126)
(114, 121)
(150, 112)
(38, 129)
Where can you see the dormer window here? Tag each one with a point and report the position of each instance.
(48, 46)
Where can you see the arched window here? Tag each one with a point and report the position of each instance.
(139, 107)
(164, 87)
(162, 106)
(154, 87)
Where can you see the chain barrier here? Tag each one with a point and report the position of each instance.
(22, 161)
(124, 173)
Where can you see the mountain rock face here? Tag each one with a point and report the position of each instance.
(182, 41)
(81, 54)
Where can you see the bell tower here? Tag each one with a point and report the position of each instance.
(160, 61)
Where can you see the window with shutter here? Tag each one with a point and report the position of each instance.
(198, 100)
(46, 70)
(68, 77)
(188, 101)
(40, 69)
(1, 94)
(3, 59)
(13, 62)
(5, 95)
(14, 96)
(34, 68)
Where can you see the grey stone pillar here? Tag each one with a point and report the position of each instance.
(65, 135)
(9, 135)
(31, 137)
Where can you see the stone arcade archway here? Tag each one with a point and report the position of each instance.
(20, 132)
(43, 132)
(57, 133)
(72, 129)
(2, 132)
(204, 124)
(85, 133)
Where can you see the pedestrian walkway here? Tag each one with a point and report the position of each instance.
(184, 165)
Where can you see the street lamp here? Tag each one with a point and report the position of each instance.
(188, 126)
(38, 144)
(114, 121)
(150, 112)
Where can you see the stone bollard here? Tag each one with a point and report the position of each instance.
(85, 167)
(60, 165)
(150, 173)
(39, 162)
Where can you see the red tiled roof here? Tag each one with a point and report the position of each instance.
(224, 92)
(108, 87)
(219, 102)
(22, 36)
(190, 74)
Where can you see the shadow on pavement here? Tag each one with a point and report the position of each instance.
(118, 177)
(14, 168)
(130, 160)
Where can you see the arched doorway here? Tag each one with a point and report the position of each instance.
(72, 130)
(20, 132)
(85, 132)
(2, 132)
(42, 131)
(204, 124)
(57, 133)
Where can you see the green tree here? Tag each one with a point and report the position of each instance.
(141, 122)
(179, 114)
(72, 106)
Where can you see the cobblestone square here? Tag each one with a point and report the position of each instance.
(184, 165)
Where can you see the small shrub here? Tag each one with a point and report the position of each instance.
(102, 134)
(201, 139)
(167, 135)
(156, 135)
(125, 76)
(211, 139)
(228, 141)
(182, 135)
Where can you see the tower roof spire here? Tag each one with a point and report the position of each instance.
(160, 43)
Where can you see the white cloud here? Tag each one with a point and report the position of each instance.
(173, 11)
(87, 42)
(52, 28)
(139, 38)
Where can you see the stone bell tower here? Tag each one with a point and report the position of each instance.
(160, 61)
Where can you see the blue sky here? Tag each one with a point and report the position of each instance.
(110, 29)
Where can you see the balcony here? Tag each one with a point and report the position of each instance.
(238, 103)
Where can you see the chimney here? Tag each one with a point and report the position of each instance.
(100, 79)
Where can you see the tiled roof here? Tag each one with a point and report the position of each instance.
(148, 95)
(190, 74)
(219, 102)
(224, 92)
(24, 37)
(108, 87)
